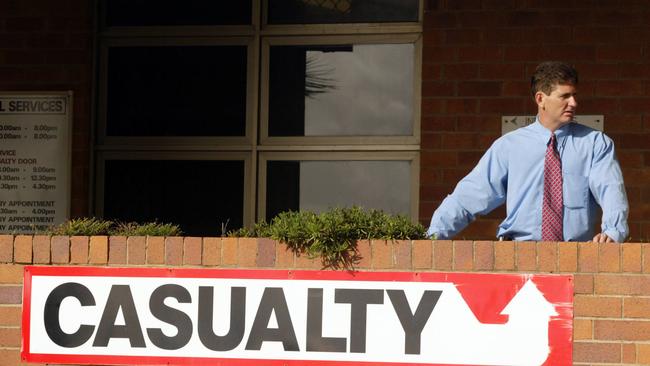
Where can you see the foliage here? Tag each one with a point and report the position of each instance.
(82, 226)
(93, 226)
(146, 229)
(332, 235)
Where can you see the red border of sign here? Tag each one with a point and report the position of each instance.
(471, 285)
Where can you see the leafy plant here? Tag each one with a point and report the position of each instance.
(93, 226)
(146, 229)
(333, 234)
(82, 226)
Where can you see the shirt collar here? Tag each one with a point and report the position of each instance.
(545, 133)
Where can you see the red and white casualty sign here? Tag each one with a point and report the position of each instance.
(127, 316)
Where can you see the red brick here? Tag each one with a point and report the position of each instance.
(247, 252)
(41, 249)
(463, 255)
(10, 357)
(117, 253)
(442, 254)
(461, 106)
(10, 316)
(636, 307)
(11, 294)
(526, 256)
(402, 254)
(174, 250)
(98, 250)
(629, 353)
(582, 329)
(23, 249)
(624, 330)
(547, 253)
(303, 260)
(229, 248)
(363, 254)
(460, 71)
(479, 89)
(382, 255)
(596, 352)
(422, 254)
(192, 251)
(79, 249)
(588, 257)
(60, 249)
(611, 284)
(6, 248)
(137, 250)
(155, 250)
(285, 257)
(265, 252)
(609, 257)
(631, 257)
(11, 274)
(501, 71)
(211, 251)
(643, 354)
(597, 306)
(583, 284)
(645, 248)
(483, 255)
(501, 105)
(504, 255)
(9, 337)
(438, 89)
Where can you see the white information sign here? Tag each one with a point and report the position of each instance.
(34, 160)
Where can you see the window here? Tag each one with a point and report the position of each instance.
(214, 114)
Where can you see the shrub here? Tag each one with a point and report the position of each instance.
(93, 226)
(82, 226)
(333, 234)
(146, 229)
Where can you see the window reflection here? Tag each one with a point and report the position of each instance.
(320, 185)
(341, 11)
(351, 90)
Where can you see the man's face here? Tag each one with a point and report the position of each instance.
(559, 107)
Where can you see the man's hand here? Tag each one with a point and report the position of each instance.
(602, 238)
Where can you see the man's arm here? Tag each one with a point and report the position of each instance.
(606, 184)
(481, 191)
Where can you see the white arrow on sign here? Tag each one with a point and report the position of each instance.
(459, 338)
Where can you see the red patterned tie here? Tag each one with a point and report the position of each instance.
(552, 206)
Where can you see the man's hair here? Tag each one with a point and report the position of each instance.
(551, 73)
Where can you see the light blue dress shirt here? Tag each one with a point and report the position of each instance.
(512, 171)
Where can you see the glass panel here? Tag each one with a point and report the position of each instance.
(173, 12)
(344, 90)
(342, 11)
(176, 91)
(192, 194)
(320, 185)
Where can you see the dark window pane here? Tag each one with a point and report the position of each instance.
(283, 187)
(177, 91)
(320, 185)
(343, 90)
(192, 194)
(174, 12)
(342, 11)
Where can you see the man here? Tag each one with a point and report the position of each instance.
(551, 174)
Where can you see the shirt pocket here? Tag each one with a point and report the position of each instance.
(575, 190)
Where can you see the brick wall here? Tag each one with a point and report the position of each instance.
(47, 46)
(612, 281)
(477, 59)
